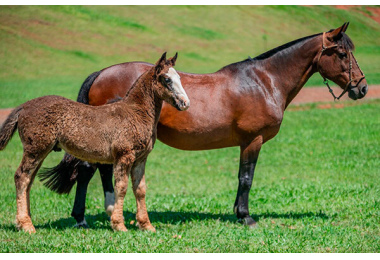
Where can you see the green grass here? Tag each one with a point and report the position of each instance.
(316, 186)
(316, 189)
(42, 43)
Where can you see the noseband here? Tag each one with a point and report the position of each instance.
(325, 81)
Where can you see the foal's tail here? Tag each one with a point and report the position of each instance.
(9, 127)
(62, 177)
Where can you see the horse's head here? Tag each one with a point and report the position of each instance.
(169, 84)
(337, 63)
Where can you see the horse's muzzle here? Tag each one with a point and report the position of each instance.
(358, 92)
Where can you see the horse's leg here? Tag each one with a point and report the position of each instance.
(139, 189)
(85, 173)
(109, 195)
(121, 170)
(248, 159)
(23, 180)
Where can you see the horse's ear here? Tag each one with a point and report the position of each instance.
(160, 63)
(337, 33)
(174, 59)
(345, 27)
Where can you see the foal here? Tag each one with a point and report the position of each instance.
(122, 134)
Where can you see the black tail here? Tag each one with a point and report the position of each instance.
(62, 177)
(85, 88)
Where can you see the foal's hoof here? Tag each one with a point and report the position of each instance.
(25, 224)
(248, 221)
(119, 227)
(149, 227)
(28, 229)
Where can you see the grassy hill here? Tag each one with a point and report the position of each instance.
(52, 49)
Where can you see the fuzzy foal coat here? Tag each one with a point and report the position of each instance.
(122, 134)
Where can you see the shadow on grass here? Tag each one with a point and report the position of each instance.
(101, 220)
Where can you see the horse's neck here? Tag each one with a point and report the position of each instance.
(291, 68)
(144, 99)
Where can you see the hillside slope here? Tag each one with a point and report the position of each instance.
(52, 49)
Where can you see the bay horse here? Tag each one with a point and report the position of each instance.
(122, 133)
(241, 104)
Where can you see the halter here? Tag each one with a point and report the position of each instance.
(325, 81)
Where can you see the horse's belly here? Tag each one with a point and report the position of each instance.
(197, 140)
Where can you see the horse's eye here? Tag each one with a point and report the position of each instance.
(168, 81)
(342, 54)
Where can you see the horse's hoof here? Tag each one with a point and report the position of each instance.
(82, 224)
(109, 210)
(249, 222)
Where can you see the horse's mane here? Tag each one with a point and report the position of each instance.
(344, 41)
(272, 52)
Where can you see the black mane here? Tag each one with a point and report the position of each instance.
(343, 41)
(272, 52)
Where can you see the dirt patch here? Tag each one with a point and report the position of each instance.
(374, 11)
(322, 94)
(305, 96)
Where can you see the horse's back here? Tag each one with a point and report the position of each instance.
(114, 82)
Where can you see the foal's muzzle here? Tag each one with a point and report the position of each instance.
(182, 102)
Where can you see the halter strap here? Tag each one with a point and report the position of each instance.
(325, 81)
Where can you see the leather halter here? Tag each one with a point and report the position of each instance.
(325, 81)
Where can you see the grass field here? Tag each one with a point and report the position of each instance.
(316, 189)
(52, 49)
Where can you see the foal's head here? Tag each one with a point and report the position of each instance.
(337, 63)
(169, 85)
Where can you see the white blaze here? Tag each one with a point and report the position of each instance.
(177, 86)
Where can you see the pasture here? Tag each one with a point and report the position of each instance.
(316, 186)
(316, 189)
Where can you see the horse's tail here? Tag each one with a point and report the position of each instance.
(85, 88)
(9, 127)
(62, 177)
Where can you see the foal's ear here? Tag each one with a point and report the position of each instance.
(337, 33)
(160, 64)
(174, 59)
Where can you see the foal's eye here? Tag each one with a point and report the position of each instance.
(342, 55)
(168, 81)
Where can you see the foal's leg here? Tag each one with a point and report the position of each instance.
(121, 170)
(30, 186)
(109, 195)
(23, 180)
(139, 189)
(248, 159)
(85, 173)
